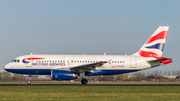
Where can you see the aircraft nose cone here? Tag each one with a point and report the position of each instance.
(7, 66)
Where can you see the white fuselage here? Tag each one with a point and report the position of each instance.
(43, 64)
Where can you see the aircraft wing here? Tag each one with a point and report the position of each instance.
(88, 67)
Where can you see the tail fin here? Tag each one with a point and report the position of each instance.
(155, 44)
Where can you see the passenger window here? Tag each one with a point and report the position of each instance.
(112, 61)
(17, 60)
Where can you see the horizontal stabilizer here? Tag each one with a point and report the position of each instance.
(160, 61)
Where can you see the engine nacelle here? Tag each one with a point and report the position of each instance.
(62, 75)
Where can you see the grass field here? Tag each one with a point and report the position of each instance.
(90, 93)
(79, 82)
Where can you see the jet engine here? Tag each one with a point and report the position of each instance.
(62, 75)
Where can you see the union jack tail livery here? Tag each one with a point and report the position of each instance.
(155, 44)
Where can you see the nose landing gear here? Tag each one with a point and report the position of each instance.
(29, 79)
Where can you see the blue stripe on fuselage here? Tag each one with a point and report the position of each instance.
(31, 71)
(48, 71)
(113, 72)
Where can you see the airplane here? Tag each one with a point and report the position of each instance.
(68, 67)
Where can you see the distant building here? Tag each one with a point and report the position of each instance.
(43, 77)
(170, 76)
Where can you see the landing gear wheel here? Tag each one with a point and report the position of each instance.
(84, 81)
(28, 81)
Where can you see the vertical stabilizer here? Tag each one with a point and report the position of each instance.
(155, 44)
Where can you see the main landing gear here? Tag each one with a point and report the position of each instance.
(29, 79)
(84, 81)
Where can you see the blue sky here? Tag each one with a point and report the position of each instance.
(116, 27)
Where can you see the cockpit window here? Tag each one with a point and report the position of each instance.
(15, 60)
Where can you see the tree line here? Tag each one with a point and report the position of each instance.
(134, 76)
(139, 76)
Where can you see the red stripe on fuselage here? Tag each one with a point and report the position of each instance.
(32, 58)
(161, 35)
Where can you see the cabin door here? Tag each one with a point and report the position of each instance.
(133, 62)
(28, 62)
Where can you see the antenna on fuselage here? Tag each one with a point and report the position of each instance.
(104, 53)
(31, 55)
